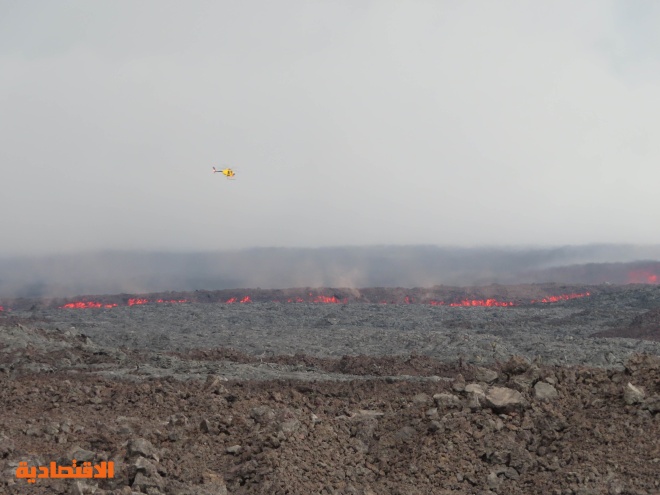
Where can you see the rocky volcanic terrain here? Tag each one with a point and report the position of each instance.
(539, 389)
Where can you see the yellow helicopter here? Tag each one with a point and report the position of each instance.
(227, 172)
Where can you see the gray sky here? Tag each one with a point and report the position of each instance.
(347, 122)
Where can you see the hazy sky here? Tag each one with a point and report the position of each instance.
(348, 123)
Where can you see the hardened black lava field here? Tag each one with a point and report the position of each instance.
(376, 391)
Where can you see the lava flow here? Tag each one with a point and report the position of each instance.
(328, 300)
(137, 301)
(642, 277)
(494, 303)
(233, 300)
(490, 303)
(131, 302)
(562, 297)
(87, 304)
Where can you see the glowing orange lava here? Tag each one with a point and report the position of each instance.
(244, 300)
(562, 297)
(327, 300)
(507, 304)
(137, 301)
(474, 302)
(643, 277)
(482, 302)
(88, 304)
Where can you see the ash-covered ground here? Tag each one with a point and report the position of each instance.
(361, 397)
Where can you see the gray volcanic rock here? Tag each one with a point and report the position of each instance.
(446, 401)
(632, 394)
(275, 436)
(558, 333)
(502, 399)
(643, 326)
(485, 375)
(545, 391)
(262, 399)
(528, 378)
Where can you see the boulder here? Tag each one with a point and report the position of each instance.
(632, 394)
(142, 447)
(447, 400)
(516, 365)
(528, 378)
(458, 385)
(476, 396)
(545, 391)
(502, 399)
(485, 375)
(475, 389)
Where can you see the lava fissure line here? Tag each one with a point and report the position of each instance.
(491, 303)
